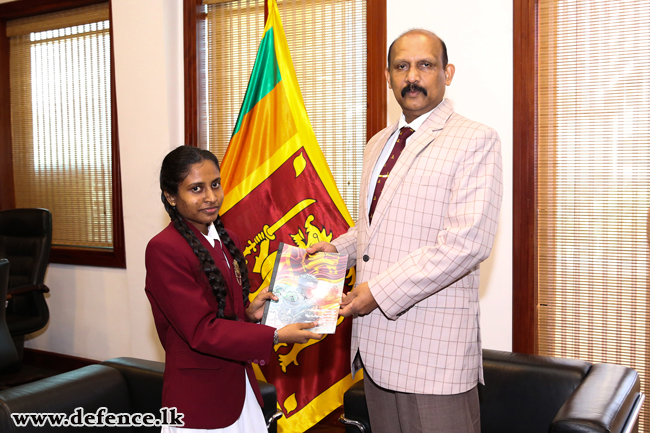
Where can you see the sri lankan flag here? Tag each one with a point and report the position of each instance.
(279, 189)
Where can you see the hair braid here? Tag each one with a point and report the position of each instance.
(206, 262)
(237, 255)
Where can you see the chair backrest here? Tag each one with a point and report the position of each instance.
(26, 239)
(524, 392)
(8, 352)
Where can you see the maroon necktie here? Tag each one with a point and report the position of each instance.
(404, 133)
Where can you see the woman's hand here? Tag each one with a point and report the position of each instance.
(255, 309)
(297, 333)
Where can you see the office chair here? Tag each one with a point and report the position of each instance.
(8, 352)
(25, 240)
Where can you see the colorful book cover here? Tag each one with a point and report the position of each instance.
(309, 288)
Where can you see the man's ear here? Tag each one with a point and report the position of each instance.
(388, 78)
(170, 199)
(450, 70)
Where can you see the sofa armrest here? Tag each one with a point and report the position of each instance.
(523, 392)
(602, 402)
(144, 380)
(90, 388)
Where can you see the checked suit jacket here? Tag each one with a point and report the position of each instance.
(434, 223)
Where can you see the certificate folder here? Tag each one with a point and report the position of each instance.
(309, 288)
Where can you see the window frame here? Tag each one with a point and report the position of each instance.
(64, 255)
(376, 64)
(524, 245)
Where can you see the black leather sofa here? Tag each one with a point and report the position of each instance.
(121, 385)
(539, 394)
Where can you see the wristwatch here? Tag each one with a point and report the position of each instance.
(276, 338)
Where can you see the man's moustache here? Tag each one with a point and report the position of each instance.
(413, 88)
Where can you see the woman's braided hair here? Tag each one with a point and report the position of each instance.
(175, 168)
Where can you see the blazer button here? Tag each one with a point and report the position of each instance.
(262, 362)
(366, 257)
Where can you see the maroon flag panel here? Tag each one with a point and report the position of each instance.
(293, 206)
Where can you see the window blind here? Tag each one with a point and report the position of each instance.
(593, 181)
(61, 122)
(327, 40)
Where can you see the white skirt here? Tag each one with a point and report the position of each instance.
(251, 419)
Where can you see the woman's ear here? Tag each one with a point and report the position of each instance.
(170, 199)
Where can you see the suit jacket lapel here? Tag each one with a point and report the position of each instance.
(423, 137)
(220, 260)
(368, 168)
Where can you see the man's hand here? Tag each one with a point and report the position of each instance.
(255, 309)
(358, 302)
(322, 247)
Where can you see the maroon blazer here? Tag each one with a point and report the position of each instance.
(205, 358)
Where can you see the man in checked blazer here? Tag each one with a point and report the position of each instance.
(418, 251)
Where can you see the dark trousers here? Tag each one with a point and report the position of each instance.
(395, 412)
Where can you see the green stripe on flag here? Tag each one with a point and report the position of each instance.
(264, 78)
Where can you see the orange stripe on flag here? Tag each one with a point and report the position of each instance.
(279, 188)
(259, 131)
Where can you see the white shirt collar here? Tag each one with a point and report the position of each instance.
(212, 235)
(415, 124)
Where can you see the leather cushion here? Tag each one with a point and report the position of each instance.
(90, 387)
(522, 393)
(601, 403)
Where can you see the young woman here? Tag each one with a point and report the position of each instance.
(197, 284)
